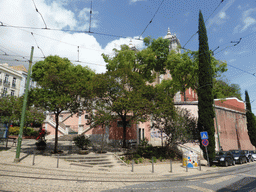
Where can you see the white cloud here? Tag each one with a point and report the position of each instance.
(221, 40)
(232, 60)
(222, 15)
(247, 21)
(134, 1)
(52, 42)
(239, 7)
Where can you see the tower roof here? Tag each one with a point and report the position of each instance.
(169, 35)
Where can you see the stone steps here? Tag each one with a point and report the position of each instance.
(107, 160)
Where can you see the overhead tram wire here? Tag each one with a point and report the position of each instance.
(151, 19)
(15, 53)
(59, 40)
(66, 30)
(90, 18)
(40, 14)
(37, 44)
(205, 22)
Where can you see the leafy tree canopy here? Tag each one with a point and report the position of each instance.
(61, 86)
(223, 89)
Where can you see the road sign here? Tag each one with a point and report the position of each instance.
(204, 135)
(205, 142)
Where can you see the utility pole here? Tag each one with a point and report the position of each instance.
(17, 159)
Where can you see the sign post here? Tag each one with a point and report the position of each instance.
(205, 142)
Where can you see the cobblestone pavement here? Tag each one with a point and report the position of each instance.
(45, 176)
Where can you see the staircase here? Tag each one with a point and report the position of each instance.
(94, 160)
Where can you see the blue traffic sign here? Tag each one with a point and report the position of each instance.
(204, 135)
(205, 142)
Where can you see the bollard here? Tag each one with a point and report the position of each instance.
(199, 162)
(152, 165)
(58, 161)
(132, 165)
(34, 158)
(186, 166)
(171, 166)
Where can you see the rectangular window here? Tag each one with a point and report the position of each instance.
(6, 78)
(4, 92)
(12, 92)
(14, 82)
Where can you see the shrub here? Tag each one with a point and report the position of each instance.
(14, 130)
(81, 141)
(136, 161)
(141, 160)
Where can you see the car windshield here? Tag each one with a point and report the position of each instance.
(221, 153)
(235, 152)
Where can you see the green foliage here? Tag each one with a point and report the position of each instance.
(27, 131)
(61, 86)
(81, 141)
(154, 160)
(141, 160)
(223, 89)
(251, 121)
(205, 91)
(14, 130)
(120, 94)
(136, 161)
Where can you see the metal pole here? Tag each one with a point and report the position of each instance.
(171, 166)
(17, 159)
(186, 166)
(199, 167)
(34, 157)
(58, 161)
(132, 165)
(152, 165)
(208, 163)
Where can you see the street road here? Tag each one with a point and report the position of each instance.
(239, 178)
(22, 178)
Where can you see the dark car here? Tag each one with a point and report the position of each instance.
(248, 155)
(239, 156)
(224, 158)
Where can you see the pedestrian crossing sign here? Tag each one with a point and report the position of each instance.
(204, 135)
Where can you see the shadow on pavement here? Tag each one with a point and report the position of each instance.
(245, 184)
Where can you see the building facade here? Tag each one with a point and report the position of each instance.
(13, 80)
(230, 121)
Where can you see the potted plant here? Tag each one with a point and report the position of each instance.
(41, 143)
(82, 143)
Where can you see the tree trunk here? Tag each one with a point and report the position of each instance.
(56, 132)
(124, 132)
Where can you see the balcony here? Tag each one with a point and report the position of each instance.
(6, 83)
(14, 85)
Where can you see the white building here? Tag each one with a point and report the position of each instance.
(13, 80)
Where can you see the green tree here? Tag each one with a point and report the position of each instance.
(61, 86)
(222, 89)
(121, 94)
(251, 122)
(177, 124)
(146, 62)
(184, 69)
(205, 93)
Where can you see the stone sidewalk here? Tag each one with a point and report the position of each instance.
(48, 161)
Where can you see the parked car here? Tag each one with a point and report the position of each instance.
(224, 158)
(239, 156)
(248, 156)
(253, 153)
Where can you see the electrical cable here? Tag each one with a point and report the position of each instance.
(37, 44)
(205, 22)
(68, 30)
(151, 19)
(40, 14)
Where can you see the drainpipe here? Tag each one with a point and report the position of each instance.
(217, 127)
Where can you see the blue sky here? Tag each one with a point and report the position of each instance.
(232, 20)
